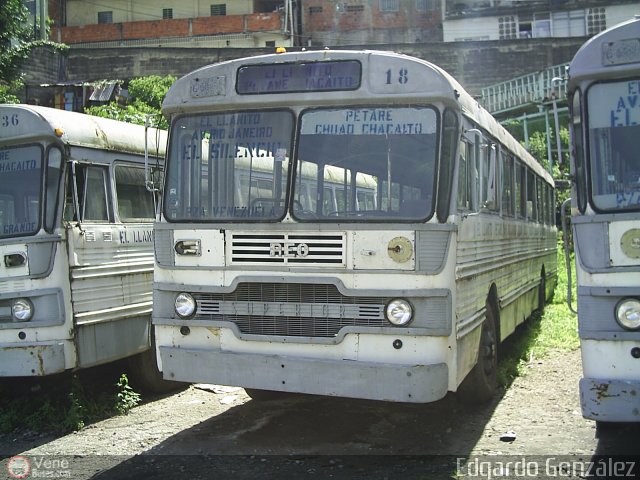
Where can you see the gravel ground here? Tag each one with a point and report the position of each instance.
(205, 430)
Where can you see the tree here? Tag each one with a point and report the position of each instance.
(14, 46)
(16, 43)
(145, 98)
(537, 146)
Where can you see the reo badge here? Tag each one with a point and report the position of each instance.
(288, 250)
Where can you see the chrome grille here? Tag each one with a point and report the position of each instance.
(285, 309)
(317, 249)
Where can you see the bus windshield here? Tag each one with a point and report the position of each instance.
(613, 144)
(20, 190)
(355, 163)
(365, 163)
(228, 166)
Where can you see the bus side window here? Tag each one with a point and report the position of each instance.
(532, 197)
(135, 202)
(91, 186)
(490, 185)
(578, 152)
(540, 200)
(468, 180)
(507, 185)
(520, 190)
(463, 178)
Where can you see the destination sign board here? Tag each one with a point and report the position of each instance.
(299, 77)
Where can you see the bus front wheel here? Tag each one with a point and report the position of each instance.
(480, 384)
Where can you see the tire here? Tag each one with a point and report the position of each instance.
(542, 293)
(480, 384)
(145, 375)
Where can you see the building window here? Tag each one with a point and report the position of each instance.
(541, 25)
(596, 21)
(105, 17)
(424, 6)
(219, 9)
(313, 10)
(389, 6)
(270, 43)
(507, 27)
(354, 8)
(167, 13)
(568, 24)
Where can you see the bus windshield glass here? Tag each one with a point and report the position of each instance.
(362, 164)
(20, 190)
(228, 166)
(613, 145)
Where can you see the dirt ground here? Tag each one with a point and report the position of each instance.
(205, 430)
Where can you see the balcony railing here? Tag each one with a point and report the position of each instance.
(526, 91)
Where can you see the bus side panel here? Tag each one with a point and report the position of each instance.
(111, 278)
(509, 255)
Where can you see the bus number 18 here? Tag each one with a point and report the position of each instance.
(402, 78)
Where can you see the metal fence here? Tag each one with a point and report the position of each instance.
(527, 90)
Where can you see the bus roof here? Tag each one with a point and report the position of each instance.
(29, 122)
(436, 84)
(610, 54)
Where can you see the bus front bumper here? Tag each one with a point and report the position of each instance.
(610, 400)
(31, 360)
(341, 378)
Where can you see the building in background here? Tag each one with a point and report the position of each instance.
(465, 20)
(273, 23)
(364, 22)
(174, 23)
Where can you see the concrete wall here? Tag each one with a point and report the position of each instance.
(474, 64)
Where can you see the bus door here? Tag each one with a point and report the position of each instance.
(111, 264)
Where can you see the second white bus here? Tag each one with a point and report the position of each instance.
(604, 92)
(76, 243)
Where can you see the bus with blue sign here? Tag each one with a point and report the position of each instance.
(76, 242)
(344, 223)
(604, 99)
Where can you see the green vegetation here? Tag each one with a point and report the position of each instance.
(145, 98)
(16, 43)
(63, 404)
(126, 398)
(555, 329)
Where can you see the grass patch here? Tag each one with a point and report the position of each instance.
(555, 329)
(62, 404)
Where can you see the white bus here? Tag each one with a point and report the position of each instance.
(76, 242)
(441, 242)
(604, 97)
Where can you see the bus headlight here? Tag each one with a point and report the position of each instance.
(628, 313)
(22, 310)
(399, 311)
(185, 305)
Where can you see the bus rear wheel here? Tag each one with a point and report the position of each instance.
(480, 384)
